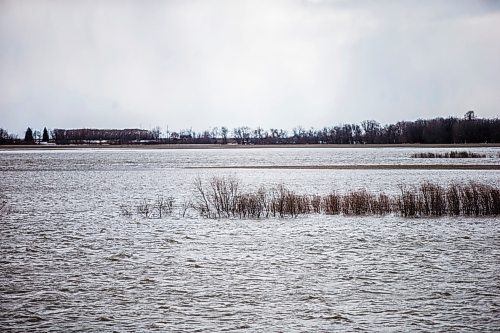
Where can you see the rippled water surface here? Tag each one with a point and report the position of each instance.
(70, 262)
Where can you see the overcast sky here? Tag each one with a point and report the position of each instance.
(274, 63)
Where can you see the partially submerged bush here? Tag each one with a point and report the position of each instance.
(221, 198)
(161, 207)
(434, 200)
(357, 203)
(452, 154)
(428, 199)
(332, 204)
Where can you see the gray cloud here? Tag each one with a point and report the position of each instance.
(198, 64)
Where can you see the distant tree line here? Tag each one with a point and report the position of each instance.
(468, 129)
(431, 131)
(99, 136)
(8, 139)
(30, 137)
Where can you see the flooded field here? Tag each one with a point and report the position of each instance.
(70, 261)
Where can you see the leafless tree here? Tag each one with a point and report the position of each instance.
(224, 131)
(156, 133)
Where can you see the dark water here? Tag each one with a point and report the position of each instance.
(70, 262)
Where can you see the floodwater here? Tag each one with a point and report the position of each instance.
(71, 262)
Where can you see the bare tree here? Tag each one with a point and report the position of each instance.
(224, 131)
(6, 138)
(242, 134)
(156, 133)
(371, 129)
(214, 133)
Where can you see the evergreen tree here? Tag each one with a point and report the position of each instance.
(45, 135)
(28, 137)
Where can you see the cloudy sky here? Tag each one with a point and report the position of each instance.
(274, 63)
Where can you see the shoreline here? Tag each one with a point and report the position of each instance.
(226, 146)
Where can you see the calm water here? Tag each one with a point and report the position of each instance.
(69, 261)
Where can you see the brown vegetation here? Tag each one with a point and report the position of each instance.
(159, 208)
(223, 197)
(452, 154)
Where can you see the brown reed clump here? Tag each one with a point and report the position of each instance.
(357, 203)
(427, 200)
(479, 199)
(331, 204)
(432, 199)
(495, 200)
(407, 202)
(453, 199)
(452, 154)
(472, 199)
(381, 204)
(284, 202)
(251, 205)
(316, 204)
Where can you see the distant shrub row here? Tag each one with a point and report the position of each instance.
(222, 197)
(452, 154)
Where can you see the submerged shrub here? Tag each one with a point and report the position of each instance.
(432, 199)
(284, 202)
(407, 202)
(125, 211)
(316, 204)
(332, 204)
(357, 203)
(223, 197)
(3, 208)
(452, 154)
(161, 207)
(381, 205)
(453, 199)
